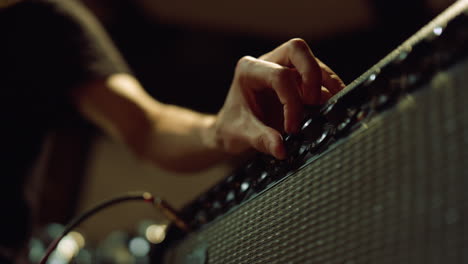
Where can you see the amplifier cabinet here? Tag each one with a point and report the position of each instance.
(378, 175)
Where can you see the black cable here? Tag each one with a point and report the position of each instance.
(144, 196)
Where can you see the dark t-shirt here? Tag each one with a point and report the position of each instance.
(47, 48)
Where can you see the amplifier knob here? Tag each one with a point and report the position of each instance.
(216, 209)
(316, 132)
(243, 191)
(334, 113)
(262, 181)
(344, 127)
(296, 150)
(244, 187)
(231, 179)
(312, 128)
(201, 217)
(254, 168)
(321, 141)
(276, 169)
(385, 100)
(219, 191)
(230, 196)
(234, 180)
(363, 113)
(292, 144)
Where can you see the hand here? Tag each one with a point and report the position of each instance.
(267, 97)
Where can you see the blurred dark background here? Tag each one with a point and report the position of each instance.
(184, 53)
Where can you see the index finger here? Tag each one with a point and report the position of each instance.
(260, 74)
(296, 53)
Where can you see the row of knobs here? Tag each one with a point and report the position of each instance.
(315, 135)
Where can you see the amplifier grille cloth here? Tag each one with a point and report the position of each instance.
(394, 192)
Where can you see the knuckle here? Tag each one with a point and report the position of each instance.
(243, 68)
(243, 62)
(298, 44)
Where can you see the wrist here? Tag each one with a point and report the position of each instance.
(209, 133)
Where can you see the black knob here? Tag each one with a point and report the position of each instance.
(312, 128)
(262, 181)
(244, 191)
(292, 144)
(334, 113)
(321, 141)
(344, 127)
(231, 197)
(201, 218)
(254, 168)
(244, 186)
(296, 149)
(217, 208)
(385, 100)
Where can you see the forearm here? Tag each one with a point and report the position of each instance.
(266, 98)
(171, 137)
(179, 139)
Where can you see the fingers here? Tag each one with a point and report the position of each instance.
(257, 74)
(297, 54)
(313, 73)
(239, 129)
(290, 75)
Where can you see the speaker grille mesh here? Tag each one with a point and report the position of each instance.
(395, 191)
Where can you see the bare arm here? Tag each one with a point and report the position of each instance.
(264, 91)
(172, 137)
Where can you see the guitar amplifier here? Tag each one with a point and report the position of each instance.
(377, 175)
